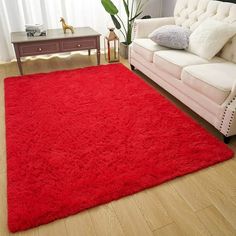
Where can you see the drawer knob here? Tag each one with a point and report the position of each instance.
(78, 45)
(40, 49)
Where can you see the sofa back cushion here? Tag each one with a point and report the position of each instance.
(191, 13)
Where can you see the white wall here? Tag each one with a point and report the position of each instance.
(153, 8)
(157, 8)
(168, 7)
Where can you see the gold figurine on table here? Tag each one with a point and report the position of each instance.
(65, 26)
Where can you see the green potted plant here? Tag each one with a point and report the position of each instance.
(132, 10)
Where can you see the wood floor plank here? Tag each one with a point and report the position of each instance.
(131, 219)
(3, 206)
(79, 224)
(105, 221)
(215, 222)
(169, 230)
(11, 69)
(152, 209)
(180, 211)
(217, 196)
(230, 165)
(227, 173)
(221, 176)
(194, 196)
(30, 232)
(55, 228)
(234, 200)
(2, 129)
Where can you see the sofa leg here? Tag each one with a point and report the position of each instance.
(226, 140)
(132, 67)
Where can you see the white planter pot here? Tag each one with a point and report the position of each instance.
(124, 50)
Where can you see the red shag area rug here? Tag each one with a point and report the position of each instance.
(84, 137)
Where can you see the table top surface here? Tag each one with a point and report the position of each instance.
(52, 34)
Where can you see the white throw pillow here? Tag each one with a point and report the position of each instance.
(210, 37)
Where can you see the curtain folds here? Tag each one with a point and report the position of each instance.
(14, 14)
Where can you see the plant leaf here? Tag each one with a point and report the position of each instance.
(109, 7)
(137, 15)
(126, 8)
(129, 34)
(138, 5)
(116, 22)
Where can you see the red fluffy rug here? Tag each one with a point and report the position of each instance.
(80, 138)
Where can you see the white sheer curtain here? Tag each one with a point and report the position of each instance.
(14, 14)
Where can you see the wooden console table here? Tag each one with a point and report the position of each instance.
(84, 38)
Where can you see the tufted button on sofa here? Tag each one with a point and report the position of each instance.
(207, 87)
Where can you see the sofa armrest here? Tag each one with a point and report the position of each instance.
(228, 114)
(143, 27)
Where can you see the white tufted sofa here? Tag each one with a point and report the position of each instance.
(207, 87)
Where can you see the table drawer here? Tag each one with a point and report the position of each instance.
(78, 44)
(30, 49)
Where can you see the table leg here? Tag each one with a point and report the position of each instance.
(16, 47)
(89, 52)
(98, 50)
(19, 65)
(98, 56)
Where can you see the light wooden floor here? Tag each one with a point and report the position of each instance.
(203, 203)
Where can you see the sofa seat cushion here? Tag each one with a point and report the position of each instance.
(146, 47)
(215, 80)
(173, 61)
